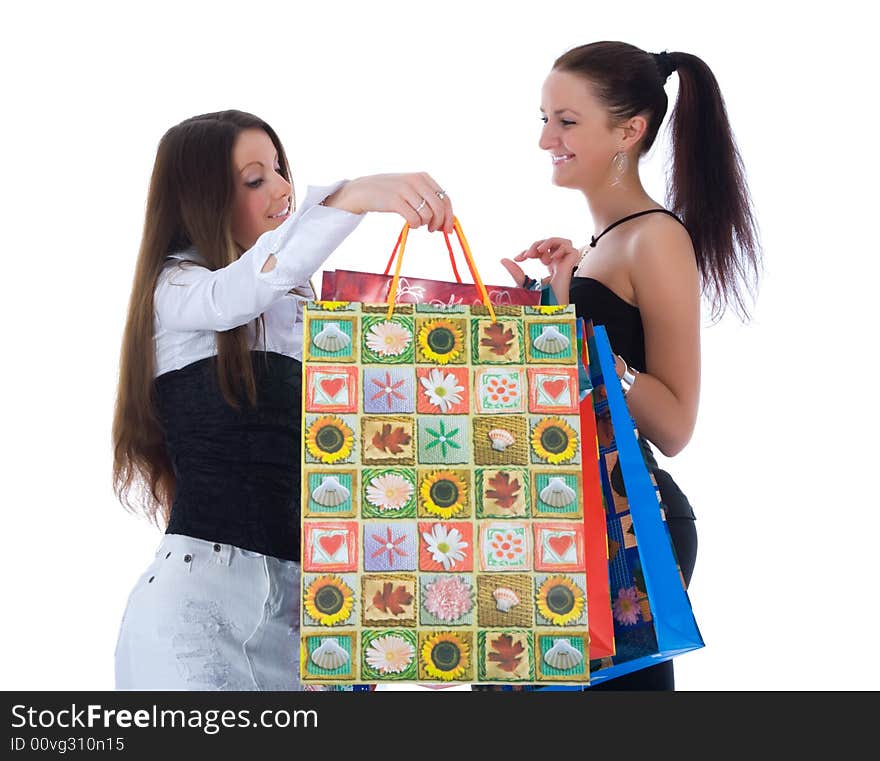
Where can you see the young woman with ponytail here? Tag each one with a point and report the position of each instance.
(646, 268)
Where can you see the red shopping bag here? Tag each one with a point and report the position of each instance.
(374, 288)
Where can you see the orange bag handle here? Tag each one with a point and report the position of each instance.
(399, 248)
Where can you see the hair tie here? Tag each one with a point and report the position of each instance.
(665, 64)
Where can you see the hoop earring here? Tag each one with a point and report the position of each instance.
(619, 163)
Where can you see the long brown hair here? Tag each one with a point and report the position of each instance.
(189, 205)
(708, 188)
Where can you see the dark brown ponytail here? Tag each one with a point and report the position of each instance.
(707, 186)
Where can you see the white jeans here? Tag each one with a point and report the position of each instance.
(208, 616)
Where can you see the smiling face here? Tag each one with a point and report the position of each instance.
(262, 193)
(576, 132)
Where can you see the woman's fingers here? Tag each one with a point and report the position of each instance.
(516, 272)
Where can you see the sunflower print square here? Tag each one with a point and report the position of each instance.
(550, 342)
(330, 493)
(441, 340)
(502, 492)
(331, 389)
(443, 439)
(328, 657)
(561, 599)
(555, 440)
(499, 390)
(562, 658)
(388, 341)
(389, 655)
(389, 390)
(558, 494)
(446, 599)
(330, 546)
(391, 546)
(330, 439)
(388, 493)
(497, 343)
(387, 440)
(553, 390)
(446, 656)
(388, 599)
(329, 599)
(446, 546)
(444, 493)
(559, 546)
(505, 656)
(330, 339)
(505, 546)
(505, 599)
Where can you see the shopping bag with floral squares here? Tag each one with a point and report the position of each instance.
(442, 505)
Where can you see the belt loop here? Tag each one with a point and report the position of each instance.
(221, 553)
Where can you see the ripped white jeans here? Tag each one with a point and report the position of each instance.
(208, 616)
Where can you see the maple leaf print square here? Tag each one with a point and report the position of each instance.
(390, 546)
(387, 440)
(388, 599)
(497, 343)
(505, 656)
(502, 493)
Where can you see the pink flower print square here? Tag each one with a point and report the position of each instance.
(390, 546)
(389, 389)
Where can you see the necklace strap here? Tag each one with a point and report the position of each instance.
(595, 239)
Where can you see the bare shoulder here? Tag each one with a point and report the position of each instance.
(661, 255)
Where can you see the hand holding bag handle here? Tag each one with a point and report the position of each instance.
(468, 256)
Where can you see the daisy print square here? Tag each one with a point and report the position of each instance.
(389, 389)
(331, 389)
(390, 546)
(442, 390)
(446, 600)
(330, 546)
(559, 546)
(388, 493)
(388, 654)
(553, 390)
(388, 341)
(505, 546)
(446, 546)
(499, 390)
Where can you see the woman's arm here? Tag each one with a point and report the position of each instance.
(663, 401)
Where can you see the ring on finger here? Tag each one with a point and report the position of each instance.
(421, 205)
(441, 194)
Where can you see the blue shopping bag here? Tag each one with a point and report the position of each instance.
(653, 617)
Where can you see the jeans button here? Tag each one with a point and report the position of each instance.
(216, 548)
(187, 558)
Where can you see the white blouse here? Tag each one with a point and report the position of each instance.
(192, 302)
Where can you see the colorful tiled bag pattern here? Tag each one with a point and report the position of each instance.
(443, 534)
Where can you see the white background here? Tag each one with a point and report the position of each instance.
(780, 470)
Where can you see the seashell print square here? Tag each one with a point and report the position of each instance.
(325, 656)
(329, 493)
(504, 599)
(558, 494)
(330, 339)
(562, 658)
(551, 342)
(500, 440)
